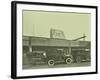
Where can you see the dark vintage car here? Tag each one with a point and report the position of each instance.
(36, 57)
(81, 55)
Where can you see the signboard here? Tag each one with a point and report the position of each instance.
(55, 33)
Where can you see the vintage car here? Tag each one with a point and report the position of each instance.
(50, 56)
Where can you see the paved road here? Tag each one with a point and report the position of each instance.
(82, 64)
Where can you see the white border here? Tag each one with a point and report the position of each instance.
(21, 72)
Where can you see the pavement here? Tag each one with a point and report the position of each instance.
(40, 66)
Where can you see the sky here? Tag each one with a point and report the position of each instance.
(39, 23)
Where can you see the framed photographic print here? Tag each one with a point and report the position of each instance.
(50, 39)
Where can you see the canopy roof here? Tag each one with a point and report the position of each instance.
(42, 41)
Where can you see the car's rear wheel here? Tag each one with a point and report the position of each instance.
(51, 63)
(78, 59)
(68, 60)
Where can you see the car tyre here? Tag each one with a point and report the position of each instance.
(68, 60)
(78, 59)
(51, 63)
